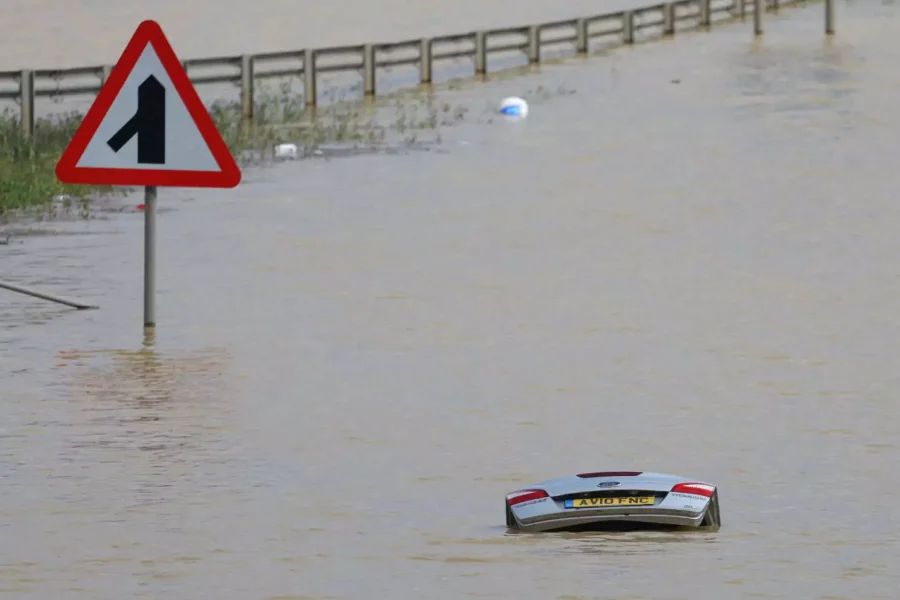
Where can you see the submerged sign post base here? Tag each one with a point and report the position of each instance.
(148, 127)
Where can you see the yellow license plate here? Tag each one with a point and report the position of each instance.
(601, 502)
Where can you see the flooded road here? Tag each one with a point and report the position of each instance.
(357, 358)
(39, 34)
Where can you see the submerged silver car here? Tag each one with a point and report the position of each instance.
(613, 498)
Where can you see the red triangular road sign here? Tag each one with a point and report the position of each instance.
(148, 126)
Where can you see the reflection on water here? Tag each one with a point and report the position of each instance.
(633, 543)
(144, 399)
(798, 79)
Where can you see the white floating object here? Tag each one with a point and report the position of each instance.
(286, 151)
(514, 107)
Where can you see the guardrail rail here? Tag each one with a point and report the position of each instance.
(25, 85)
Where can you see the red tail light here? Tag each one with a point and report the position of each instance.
(700, 489)
(524, 496)
(610, 474)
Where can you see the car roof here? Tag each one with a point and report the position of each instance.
(647, 480)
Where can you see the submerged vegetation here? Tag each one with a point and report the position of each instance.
(405, 119)
(27, 167)
(281, 116)
(28, 183)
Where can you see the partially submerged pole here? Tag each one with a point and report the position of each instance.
(30, 292)
(759, 7)
(149, 257)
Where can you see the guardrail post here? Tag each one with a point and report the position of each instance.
(581, 36)
(758, 8)
(480, 52)
(26, 103)
(369, 69)
(668, 19)
(309, 77)
(534, 44)
(425, 60)
(247, 87)
(704, 13)
(738, 9)
(829, 17)
(628, 27)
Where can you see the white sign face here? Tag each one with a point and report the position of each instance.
(162, 135)
(148, 126)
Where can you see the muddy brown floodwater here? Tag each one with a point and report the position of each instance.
(357, 358)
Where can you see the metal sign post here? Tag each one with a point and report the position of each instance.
(148, 127)
(150, 257)
(758, 7)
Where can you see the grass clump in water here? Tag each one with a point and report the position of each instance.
(28, 167)
(281, 116)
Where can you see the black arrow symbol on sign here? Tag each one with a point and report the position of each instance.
(148, 124)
